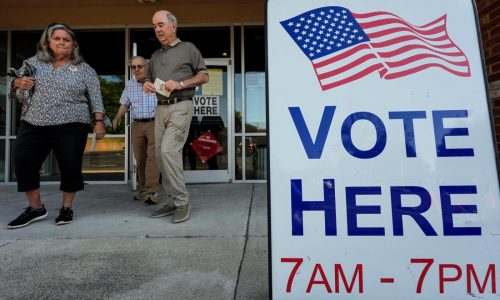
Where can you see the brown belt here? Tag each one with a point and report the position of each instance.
(173, 100)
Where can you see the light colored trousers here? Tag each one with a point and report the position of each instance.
(143, 141)
(171, 130)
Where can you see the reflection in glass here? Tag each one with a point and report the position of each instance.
(255, 88)
(238, 162)
(111, 89)
(255, 157)
(3, 53)
(237, 103)
(104, 159)
(238, 93)
(109, 63)
(255, 80)
(2, 160)
(23, 47)
(210, 122)
(3, 105)
(3, 82)
(213, 42)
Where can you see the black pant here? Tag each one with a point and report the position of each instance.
(33, 145)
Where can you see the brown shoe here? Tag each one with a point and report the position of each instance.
(166, 210)
(142, 195)
(152, 198)
(181, 213)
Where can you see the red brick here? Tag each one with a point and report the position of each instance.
(480, 3)
(495, 48)
(491, 41)
(482, 7)
(488, 8)
(495, 31)
(495, 12)
(493, 77)
(492, 59)
(496, 111)
(491, 23)
(495, 67)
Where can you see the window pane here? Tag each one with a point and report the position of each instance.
(255, 80)
(104, 159)
(23, 47)
(256, 157)
(3, 105)
(213, 42)
(255, 49)
(109, 63)
(3, 83)
(255, 114)
(238, 162)
(2, 160)
(107, 58)
(238, 93)
(3, 53)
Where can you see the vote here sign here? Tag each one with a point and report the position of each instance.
(383, 177)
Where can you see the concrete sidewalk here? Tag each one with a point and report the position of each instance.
(114, 251)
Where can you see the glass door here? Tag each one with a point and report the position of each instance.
(207, 152)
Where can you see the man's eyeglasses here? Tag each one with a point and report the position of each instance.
(138, 67)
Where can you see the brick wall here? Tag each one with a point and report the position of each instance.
(489, 21)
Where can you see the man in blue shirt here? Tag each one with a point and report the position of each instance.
(143, 106)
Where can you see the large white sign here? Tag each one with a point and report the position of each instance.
(383, 178)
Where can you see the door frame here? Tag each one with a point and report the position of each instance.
(214, 176)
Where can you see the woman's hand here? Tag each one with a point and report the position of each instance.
(99, 130)
(24, 83)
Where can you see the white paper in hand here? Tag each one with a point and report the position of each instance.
(160, 87)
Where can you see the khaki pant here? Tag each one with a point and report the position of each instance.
(171, 131)
(143, 142)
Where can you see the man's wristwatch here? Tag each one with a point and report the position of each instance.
(181, 83)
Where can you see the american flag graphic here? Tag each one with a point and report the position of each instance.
(345, 46)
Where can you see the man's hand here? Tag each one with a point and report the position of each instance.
(172, 85)
(148, 87)
(116, 123)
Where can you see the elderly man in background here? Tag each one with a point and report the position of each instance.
(143, 127)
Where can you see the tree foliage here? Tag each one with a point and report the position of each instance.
(111, 91)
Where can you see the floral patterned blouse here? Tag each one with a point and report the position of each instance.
(70, 93)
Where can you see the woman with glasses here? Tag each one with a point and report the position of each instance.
(60, 94)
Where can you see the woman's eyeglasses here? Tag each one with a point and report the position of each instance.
(138, 67)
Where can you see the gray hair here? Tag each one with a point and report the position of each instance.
(171, 18)
(45, 54)
(138, 57)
